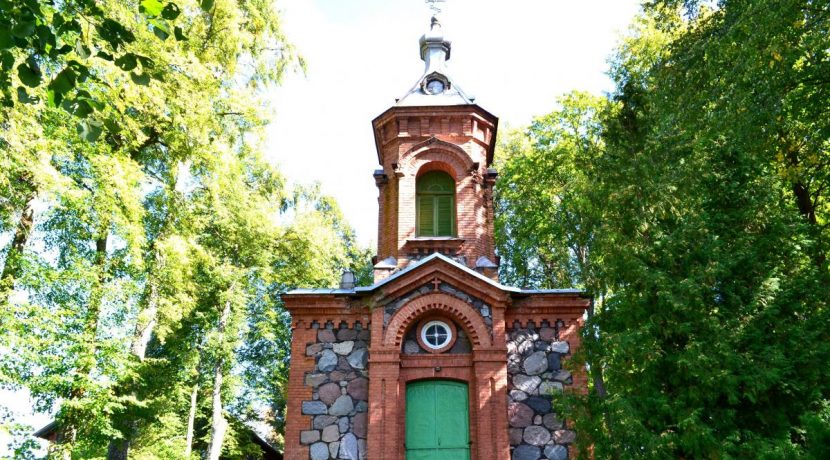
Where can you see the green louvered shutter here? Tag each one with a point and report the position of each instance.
(435, 197)
(426, 216)
(443, 215)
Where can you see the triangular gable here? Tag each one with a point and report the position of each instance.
(412, 270)
(402, 273)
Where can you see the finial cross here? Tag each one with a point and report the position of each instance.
(434, 5)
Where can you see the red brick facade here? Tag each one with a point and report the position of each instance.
(355, 349)
(458, 140)
(434, 288)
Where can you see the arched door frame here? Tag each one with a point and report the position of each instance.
(484, 370)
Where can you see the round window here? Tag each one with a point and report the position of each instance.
(435, 86)
(436, 334)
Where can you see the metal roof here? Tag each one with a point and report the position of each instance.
(435, 51)
(419, 263)
(417, 97)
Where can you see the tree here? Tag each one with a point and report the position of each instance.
(107, 140)
(225, 358)
(714, 264)
(544, 224)
(58, 52)
(60, 47)
(707, 195)
(546, 215)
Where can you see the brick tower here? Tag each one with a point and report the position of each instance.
(435, 126)
(436, 359)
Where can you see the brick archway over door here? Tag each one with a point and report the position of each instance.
(485, 370)
(437, 303)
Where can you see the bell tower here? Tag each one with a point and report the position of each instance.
(437, 358)
(435, 147)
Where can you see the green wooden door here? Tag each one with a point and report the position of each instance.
(437, 421)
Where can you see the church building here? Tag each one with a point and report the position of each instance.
(436, 359)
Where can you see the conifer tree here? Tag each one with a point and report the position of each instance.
(707, 197)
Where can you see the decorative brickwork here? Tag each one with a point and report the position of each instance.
(458, 140)
(355, 350)
(483, 368)
(447, 288)
(508, 362)
(413, 343)
(437, 303)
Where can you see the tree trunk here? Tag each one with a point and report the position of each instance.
(146, 323)
(147, 318)
(71, 421)
(218, 423)
(807, 206)
(119, 448)
(11, 269)
(191, 419)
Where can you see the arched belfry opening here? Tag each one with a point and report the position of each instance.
(436, 358)
(435, 204)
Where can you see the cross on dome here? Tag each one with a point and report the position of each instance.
(434, 6)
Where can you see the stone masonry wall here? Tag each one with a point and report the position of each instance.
(338, 409)
(535, 374)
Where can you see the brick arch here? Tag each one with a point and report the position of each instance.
(435, 143)
(437, 166)
(469, 380)
(457, 309)
(455, 157)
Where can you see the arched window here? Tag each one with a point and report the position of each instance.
(435, 204)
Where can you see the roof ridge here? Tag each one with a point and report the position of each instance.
(418, 263)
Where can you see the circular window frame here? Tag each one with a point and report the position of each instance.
(435, 76)
(425, 323)
(431, 91)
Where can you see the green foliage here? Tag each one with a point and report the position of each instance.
(703, 203)
(139, 207)
(58, 44)
(543, 231)
(23, 447)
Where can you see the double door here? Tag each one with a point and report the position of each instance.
(437, 420)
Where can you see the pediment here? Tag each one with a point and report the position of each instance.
(432, 143)
(438, 273)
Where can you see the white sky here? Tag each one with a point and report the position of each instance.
(516, 57)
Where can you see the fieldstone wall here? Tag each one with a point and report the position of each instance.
(339, 404)
(535, 374)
